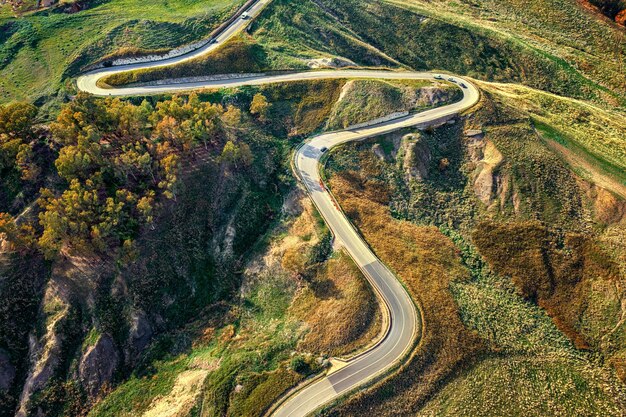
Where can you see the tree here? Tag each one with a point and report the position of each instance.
(299, 365)
(9, 148)
(25, 160)
(17, 237)
(84, 220)
(170, 166)
(260, 107)
(17, 119)
(230, 153)
(145, 206)
(134, 162)
(232, 116)
(236, 155)
(84, 117)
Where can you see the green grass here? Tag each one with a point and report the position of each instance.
(38, 50)
(91, 338)
(550, 133)
(506, 320)
(563, 31)
(365, 100)
(525, 386)
(428, 35)
(253, 342)
(126, 401)
(601, 131)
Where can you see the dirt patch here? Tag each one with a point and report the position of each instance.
(596, 176)
(182, 398)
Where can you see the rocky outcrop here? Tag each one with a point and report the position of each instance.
(474, 133)
(607, 208)
(379, 152)
(485, 180)
(433, 96)
(416, 156)
(98, 365)
(140, 335)
(45, 353)
(335, 62)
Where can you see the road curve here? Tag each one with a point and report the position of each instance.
(87, 81)
(403, 324)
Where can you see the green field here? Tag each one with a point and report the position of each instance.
(38, 50)
(560, 48)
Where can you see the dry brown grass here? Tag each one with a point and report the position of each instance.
(339, 308)
(334, 301)
(571, 276)
(427, 262)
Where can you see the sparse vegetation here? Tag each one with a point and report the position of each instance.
(575, 389)
(502, 302)
(260, 346)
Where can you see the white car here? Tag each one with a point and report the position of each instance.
(245, 16)
(438, 77)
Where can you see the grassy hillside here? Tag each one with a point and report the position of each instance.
(146, 290)
(39, 50)
(538, 244)
(151, 289)
(562, 48)
(364, 100)
(562, 30)
(575, 390)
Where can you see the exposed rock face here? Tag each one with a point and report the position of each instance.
(484, 179)
(379, 152)
(335, 62)
(607, 208)
(7, 371)
(474, 133)
(432, 96)
(140, 334)
(45, 353)
(416, 158)
(97, 365)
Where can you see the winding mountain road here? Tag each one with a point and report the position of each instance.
(402, 320)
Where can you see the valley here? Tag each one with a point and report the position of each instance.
(307, 212)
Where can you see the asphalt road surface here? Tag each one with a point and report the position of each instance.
(403, 324)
